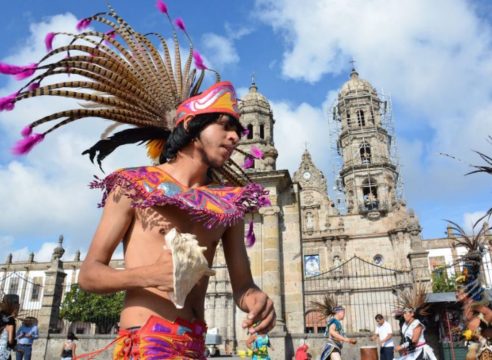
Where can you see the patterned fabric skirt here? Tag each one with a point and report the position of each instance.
(329, 348)
(159, 339)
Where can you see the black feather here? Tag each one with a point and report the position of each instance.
(104, 147)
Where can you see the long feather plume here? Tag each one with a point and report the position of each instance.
(325, 306)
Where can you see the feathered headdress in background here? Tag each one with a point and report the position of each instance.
(327, 307)
(122, 77)
(469, 280)
(413, 299)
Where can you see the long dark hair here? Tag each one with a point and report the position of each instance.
(181, 137)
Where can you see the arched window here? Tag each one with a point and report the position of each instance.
(262, 131)
(370, 194)
(250, 132)
(360, 118)
(349, 123)
(365, 153)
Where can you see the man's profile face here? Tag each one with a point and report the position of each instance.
(217, 141)
(341, 314)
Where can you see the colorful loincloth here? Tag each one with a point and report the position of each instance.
(159, 339)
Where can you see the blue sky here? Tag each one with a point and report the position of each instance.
(433, 58)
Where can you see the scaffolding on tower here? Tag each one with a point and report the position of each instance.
(360, 157)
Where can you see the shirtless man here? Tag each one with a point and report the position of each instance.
(148, 276)
(191, 133)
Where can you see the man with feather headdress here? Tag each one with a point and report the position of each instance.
(470, 292)
(170, 216)
(334, 314)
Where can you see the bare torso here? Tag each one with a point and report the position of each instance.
(143, 244)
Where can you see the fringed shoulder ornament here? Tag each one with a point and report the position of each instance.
(214, 204)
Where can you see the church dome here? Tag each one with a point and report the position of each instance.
(356, 86)
(254, 101)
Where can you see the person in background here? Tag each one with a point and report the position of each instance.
(9, 308)
(301, 352)
(334, 314)
(384, 337)
(259, 344)
(69, 347)
(27, 333)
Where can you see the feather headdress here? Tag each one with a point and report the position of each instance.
(469, 280)
(327, 307)
(485, 168)
(413, 299)
(122, 77)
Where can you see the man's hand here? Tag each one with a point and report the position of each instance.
(353, 341)
(261, 314)
(162, 272)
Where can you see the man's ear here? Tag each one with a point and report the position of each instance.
(187, 120)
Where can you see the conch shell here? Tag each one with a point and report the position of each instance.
(189, 263)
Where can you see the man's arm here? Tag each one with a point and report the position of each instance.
(248, 297)
(335, 335)
(95, 273)
(416, 334)
(386, 338)
(35, 332)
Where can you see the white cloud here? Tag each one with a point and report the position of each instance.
(46, 191)
(220, 50)
(295, 128)
(469, 219)
(235, 33)
(433, 57)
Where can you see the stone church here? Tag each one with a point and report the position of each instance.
(306, 247)
(362, 249)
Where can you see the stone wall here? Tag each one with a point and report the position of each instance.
(50, 348)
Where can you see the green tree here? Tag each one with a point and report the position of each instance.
(102, 310)
(441, 282)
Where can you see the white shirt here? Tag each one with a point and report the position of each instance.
(407, 330)
(383, 331)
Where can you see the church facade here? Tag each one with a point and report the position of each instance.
(306, 245)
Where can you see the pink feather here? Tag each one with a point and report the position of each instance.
(8, 69)
(26, 131)
(23, 146)
(248, 163)
(34, 86)
(256, 152)
(8, 102)
(198, 61)
(19, 72)
(111, 34)
(26, 71)
(48, 40)
(180, 23)
(250, 236)
(161, 6)
(83, 24)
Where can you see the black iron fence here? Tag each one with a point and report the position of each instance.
(29, 289)
(363, 288)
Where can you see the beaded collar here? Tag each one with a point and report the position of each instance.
(213, 204)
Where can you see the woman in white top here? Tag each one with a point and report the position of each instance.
(413, 346)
